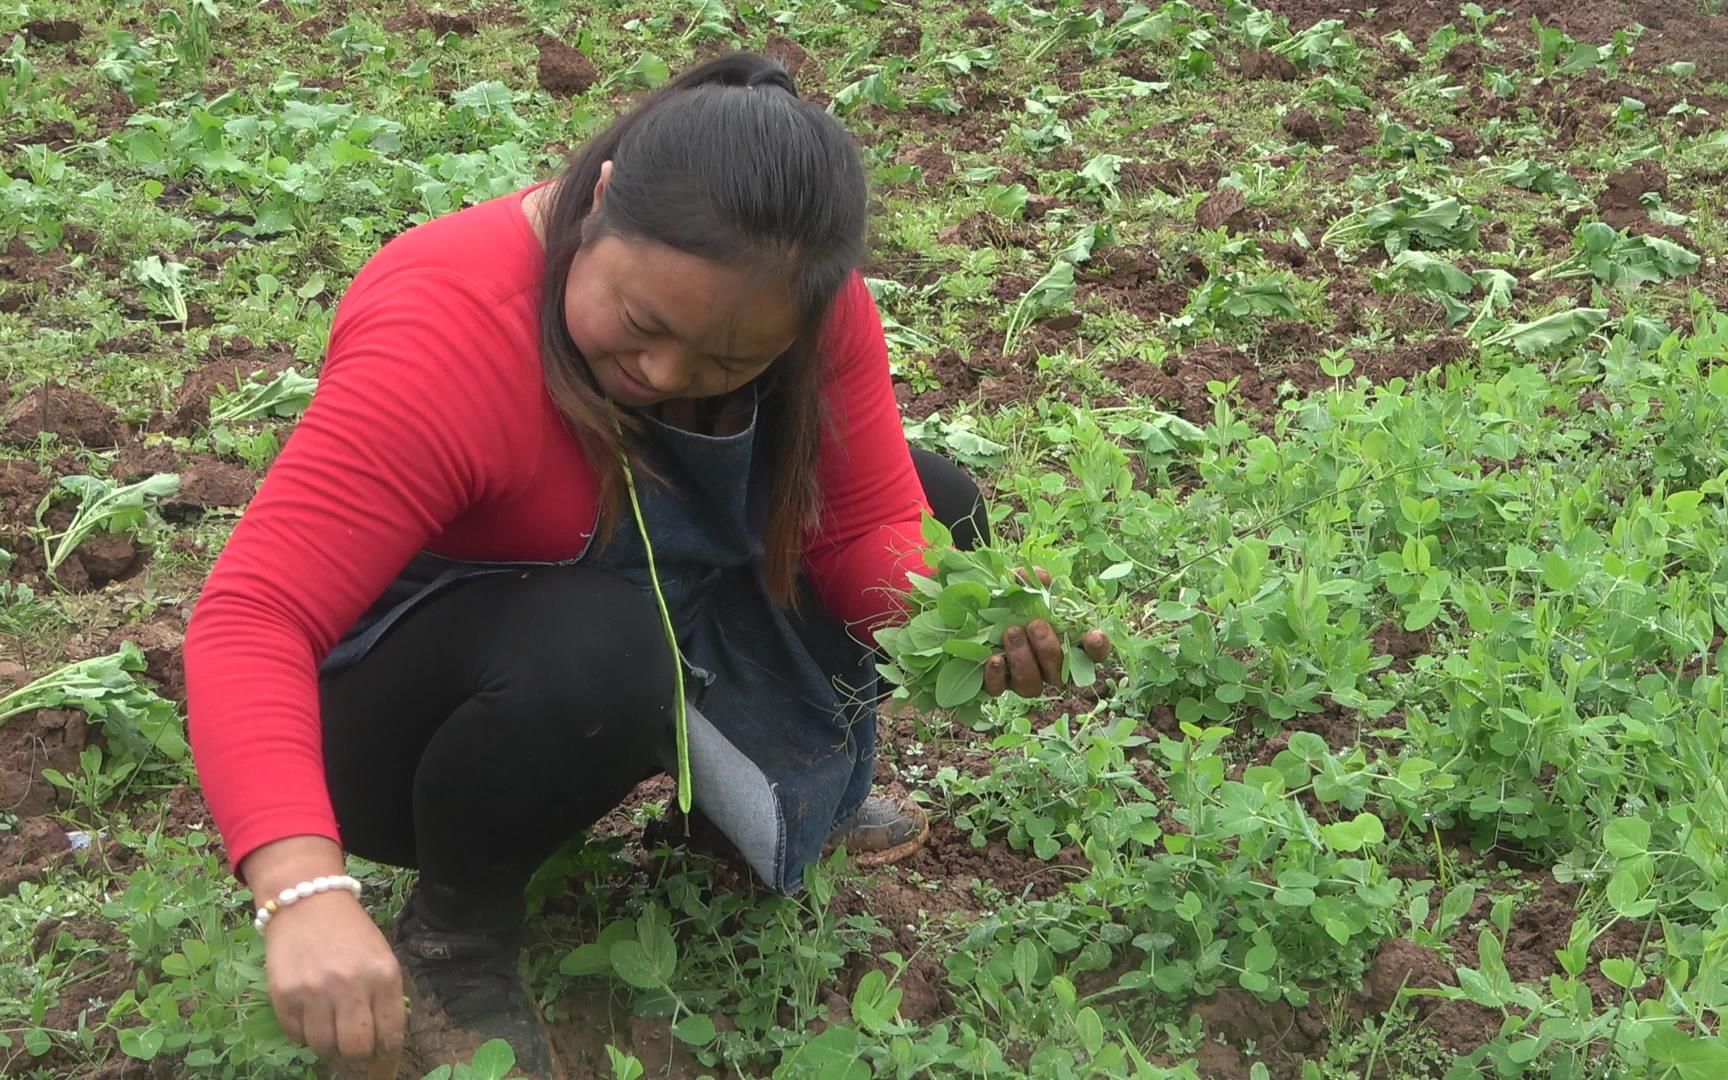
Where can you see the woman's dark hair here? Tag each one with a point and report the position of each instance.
(725, 163)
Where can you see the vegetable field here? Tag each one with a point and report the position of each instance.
(1361, 370)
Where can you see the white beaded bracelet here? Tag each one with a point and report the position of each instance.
(294, 895)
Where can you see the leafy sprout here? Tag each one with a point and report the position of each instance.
(287, 395)
(1617, 259)
(1415, 219)
(164, 285)
(102, 505)
(1055, 290)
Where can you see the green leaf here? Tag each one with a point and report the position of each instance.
(1082, 670)
(967, 649)
(1691, 1057)
(958, 682)
(649, 71)
(142, 1043)
(624, 1066)
(697, 1029)
(493, 1060)
(485, 98)
(657, 942)
(1354, 835)
(1477, 989)
(961, 600)
(1629, 883)
(1090, 1029)
(1552, 333)
(590, 959)
(636, 966)
(1622, 972)
(1260, 958)
(1626, 837)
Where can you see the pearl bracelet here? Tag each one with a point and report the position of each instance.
(300, 892)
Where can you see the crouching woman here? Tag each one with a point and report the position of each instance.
(602, 478)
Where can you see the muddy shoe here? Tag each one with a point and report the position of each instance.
(463, 990)
(882, 831)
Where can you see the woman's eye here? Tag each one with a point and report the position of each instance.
(634, 326)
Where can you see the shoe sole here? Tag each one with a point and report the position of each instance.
(889, 856)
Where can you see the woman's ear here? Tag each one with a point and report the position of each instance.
(600, 184)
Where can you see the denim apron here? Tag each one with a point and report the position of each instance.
(780, 704)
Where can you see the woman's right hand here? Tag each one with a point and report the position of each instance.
(332, 976)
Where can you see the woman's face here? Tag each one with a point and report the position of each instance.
(656, 324)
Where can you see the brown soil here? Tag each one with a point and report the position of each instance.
(790, 54)
(1227, 208)
(23, 272)
(1674, 29)
(1619, 204)
(563, 69)
(1281, 1036)
(55, 31)
(1181, 380)
(1300, 123)
(987, 230)
(22, 485)
(1466, 58)
(162, 641)
(1261, 64)
(1391, 639)
(1173, 176)
(438, 22)
(206, 483)
(1465, 142)
(29, 851)
(225, 368)
(66, 412)
(981, 20)
(45, 739)
(55, 135)
(901, 41)
(933, 162)
(214, 485)
(589, 1020)
(101, 560)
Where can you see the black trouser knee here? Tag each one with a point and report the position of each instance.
(492, 724)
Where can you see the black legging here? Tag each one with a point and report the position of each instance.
(500, 718)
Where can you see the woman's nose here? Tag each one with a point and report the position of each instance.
(666, 370)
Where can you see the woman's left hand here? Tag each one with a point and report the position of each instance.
(1031, 656)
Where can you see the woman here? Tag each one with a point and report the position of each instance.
(614, 443)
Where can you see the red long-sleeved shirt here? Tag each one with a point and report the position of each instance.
(432, 429)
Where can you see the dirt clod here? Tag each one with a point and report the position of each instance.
(791, 55)
(438, 22)
(1621, 202)
(1225, 208)
(563, 69)
(213, 485)
(1403, 965)
(55, 31)
(46, 739)
(1261, 64)
(65, 411)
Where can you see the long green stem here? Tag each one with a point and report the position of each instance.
(680, 721)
